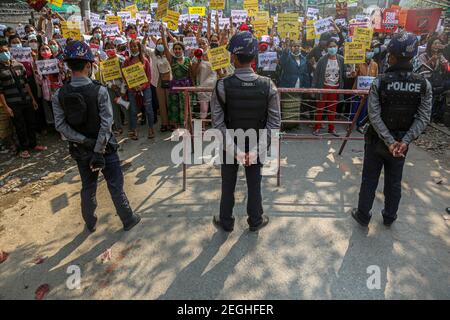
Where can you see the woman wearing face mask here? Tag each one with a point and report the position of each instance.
(97, 33)
(367, 69)
(48, 83)
(143, 91)
(33, 44)
(204, 76)
(117, 91)
(182, 77)
(329, 74)
(161, 77)
(295, 73)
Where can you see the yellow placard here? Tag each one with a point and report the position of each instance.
(57, 3)
(262, 15)
(172, 19)
(111, 69)
(71, 29)
(201, 11)
(251, 6)
(133, 9)
(260, 27)
(114, 20)
(135, 75)
(363, 35)
(354, 53)
(217, 4)
(288, 25)
(310, 33)
(219, 58)
(163, 8)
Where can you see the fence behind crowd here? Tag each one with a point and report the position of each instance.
(299, 106)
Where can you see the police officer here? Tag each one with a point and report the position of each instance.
(83, 114)
(399, 110)
(244, 101)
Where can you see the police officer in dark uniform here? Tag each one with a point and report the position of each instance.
(244, 101)
(83, 115)
(399, 110)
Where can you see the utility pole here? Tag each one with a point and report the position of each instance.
(85, 6)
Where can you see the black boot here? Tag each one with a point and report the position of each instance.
(360, 217)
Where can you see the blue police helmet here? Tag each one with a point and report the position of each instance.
(403, 44)
(78, 50)
(243, 43)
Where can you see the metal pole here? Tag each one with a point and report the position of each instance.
(352, 125)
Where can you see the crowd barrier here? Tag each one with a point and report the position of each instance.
(307, 108)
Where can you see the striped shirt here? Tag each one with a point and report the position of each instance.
(13, 79)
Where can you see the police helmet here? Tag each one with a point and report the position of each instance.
(403, 45)
(78, 50)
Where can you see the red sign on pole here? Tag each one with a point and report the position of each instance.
(341, 9)
(390, 20)
(37, 4)
(421, 21)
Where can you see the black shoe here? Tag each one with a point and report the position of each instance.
(388, 221)
(356, 214)
(218, 224)
(264, 223)
(134, 220)
(448, 210)
(91, 227)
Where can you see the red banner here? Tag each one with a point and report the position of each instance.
(421, 21)
(341, 9)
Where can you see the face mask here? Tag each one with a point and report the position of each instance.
(111, 53)
(160, 47)
(46, 55)
(332, 51)
(54, 49)
(369, 55)
(16, 45)
(376, 50)
(133, 36)
(33, 45)
(386, 42)
(214, 45)
(296, 54)
(97, 36)
(135, 54)
(5, 56)
(56, 31)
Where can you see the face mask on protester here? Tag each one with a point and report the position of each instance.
(46, 55)
(54, 49)
(136, 54)
(97, 36)
(5, 56)
(369, 55)
(16, 45)
(376, 50)
(111, 53)
(56, 31)
(132, 36)
(33, 45)
(332, 51)
(386, 42)
(214, 45)
(160, 48)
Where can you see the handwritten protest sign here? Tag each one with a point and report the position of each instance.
(342, 22)
(312, 13)
(323, 25)
(190, 42)
(49, 66)
(114, 20)
(341, 9)
(132, 9)
(153, 29)
(185, 18)
(354, 53)
(135, 75)
(111, 30)
(21, 54)
(124, 15)
(94, 16)
(163, 8)
(310, 33)
(260, 27)
(268, 61)
(217, 4)
(111, 69)
(223, 22)
(20, 30)
(364, 82)
(219, 58)
(62, 42)
(251, 6)
(363, 35)
(201, 11)
(71, 29)
(288, 25)
(239, 16)
(172, 19)
(390, 20)
(262, 15)
(97, 23)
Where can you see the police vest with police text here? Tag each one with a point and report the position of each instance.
(246, 103)
(400, 97)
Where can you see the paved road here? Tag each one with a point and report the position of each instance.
(312, 249)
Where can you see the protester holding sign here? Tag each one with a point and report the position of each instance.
(142, 92)
(329, 74)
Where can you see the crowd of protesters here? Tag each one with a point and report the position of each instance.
(26, 96)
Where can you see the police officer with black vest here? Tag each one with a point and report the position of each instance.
(244, 101)
(83, 115)
(399, 110)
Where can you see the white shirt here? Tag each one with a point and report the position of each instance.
(332, 73)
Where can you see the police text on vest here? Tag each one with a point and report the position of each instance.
(404, 86)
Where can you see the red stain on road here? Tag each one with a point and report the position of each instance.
(3, 256)
(41, 291)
